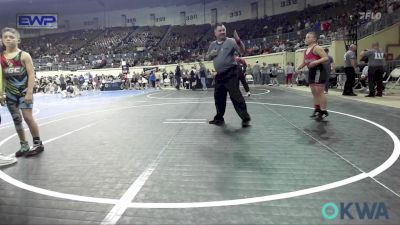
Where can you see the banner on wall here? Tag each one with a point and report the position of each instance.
(37, 21)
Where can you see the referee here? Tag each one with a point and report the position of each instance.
(222, 52)
(350, 70)
(376, 62)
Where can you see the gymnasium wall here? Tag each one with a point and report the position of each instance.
(388, 38)
(337, 51)
(281, 59)
(227, 11)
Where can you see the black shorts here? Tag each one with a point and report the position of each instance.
(317, 75)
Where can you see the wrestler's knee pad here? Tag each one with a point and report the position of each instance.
(17, 118)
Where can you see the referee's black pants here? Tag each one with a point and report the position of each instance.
(229, 84)
(350, 80)
(375, 77)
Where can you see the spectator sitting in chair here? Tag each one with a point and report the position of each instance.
(71, 91)
(362, 86)
(301, 79)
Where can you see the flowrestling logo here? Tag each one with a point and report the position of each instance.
(370, 15)
(37, 21)
(355, 210)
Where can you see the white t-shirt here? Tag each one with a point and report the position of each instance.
(364, 72)
(289, 69)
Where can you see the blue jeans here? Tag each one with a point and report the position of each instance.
(203, 83)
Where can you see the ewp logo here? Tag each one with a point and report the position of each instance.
(330, 211)
(37, 21)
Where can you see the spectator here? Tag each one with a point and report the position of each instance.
(256, 73)
(289, 74)
(274, 75)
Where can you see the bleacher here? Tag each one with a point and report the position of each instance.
(172, 44)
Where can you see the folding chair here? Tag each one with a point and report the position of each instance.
(249, 78)
(394, 74)
(357, 80)
(167, 82)
(341, 79)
